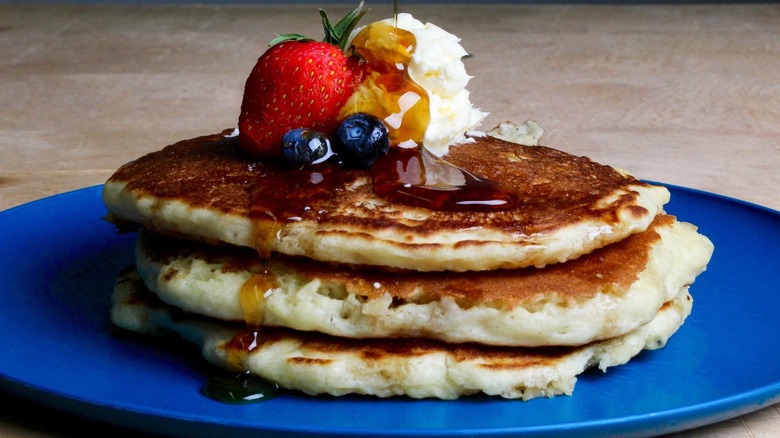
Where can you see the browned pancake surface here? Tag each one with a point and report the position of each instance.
(555, 188)
(612, 268)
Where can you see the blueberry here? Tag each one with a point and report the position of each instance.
(360, 140)
(304, 146)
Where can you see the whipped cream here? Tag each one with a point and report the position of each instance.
(436, 66)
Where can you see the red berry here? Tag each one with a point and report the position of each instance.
(294, 85)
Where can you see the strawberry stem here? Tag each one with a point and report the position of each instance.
(337, 35)
(289, 37)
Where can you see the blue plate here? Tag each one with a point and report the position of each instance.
(57, 346)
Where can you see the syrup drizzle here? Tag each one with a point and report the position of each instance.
(387, 91)
(416, 177)
(413, 177)
(252, 295)
(280, 196)
(241, 388)
(244, 387)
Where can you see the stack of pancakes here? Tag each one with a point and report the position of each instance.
(309, 279)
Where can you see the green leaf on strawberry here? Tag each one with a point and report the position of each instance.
(298, 83)
(289, 37)
(339, 35)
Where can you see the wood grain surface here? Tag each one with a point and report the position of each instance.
(683, 94)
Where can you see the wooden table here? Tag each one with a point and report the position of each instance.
(687, 95)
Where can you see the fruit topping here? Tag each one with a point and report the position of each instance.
(298, 83)
(360, 140)
(390, 96)
(387, 91)
(416, 82)
(304, 146)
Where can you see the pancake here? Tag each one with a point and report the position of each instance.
(419, 368)
(604, 294)
(562, 206)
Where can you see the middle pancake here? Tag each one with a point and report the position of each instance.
(604, 294)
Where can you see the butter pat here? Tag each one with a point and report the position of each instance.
(437, 66)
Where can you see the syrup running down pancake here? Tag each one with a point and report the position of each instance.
(552, 206)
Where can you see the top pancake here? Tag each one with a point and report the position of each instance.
(205, 189)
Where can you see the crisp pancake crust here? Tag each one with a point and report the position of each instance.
(606, 293)
(315, 363)
(206, 189)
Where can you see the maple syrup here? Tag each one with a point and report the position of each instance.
(278, 197)
(252, 295)
(409, 174)
(416, 177)
(241, 388)
(281, 195)
(245, 387)
(387, 91)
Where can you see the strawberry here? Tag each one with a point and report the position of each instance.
(298, 83)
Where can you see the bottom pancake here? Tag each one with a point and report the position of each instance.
(419, 368)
